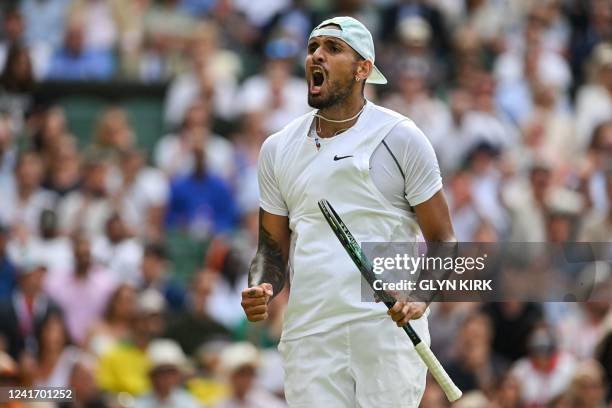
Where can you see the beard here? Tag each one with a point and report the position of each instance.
(337, 92)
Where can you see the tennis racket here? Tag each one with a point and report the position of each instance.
(353, 249)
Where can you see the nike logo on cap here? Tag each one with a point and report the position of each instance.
(336, 157)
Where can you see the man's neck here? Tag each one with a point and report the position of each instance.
(342, 111)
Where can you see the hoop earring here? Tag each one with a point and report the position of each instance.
(357, 78)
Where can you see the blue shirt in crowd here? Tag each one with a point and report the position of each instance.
(197, 8)
(89, 64)
(7, 278)
(203, 203)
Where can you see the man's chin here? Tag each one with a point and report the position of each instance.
(317, 101)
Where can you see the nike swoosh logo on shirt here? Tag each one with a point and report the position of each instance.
(336, 157)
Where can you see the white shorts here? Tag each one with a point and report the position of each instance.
(366, 364)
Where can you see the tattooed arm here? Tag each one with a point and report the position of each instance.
(268, 270)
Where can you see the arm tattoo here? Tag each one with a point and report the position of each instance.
(268, 264)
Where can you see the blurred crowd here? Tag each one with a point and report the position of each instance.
(515, 96)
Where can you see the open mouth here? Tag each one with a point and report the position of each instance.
(317, 80)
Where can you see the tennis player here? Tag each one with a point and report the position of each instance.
(382, 176)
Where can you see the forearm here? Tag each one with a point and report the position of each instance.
(268, 268)
(270, 262)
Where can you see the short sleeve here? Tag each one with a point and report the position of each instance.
(418, 160)
(270, 197)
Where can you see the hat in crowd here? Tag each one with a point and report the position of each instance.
(150, 301)
(414, 30)
(357, 36)
(239, 355)
(166, 353)
(602, 55)
(541, 341)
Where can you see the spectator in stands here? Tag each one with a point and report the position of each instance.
(445, 320)
(44, 21)
(75, 61)
(12, 30)
(460, 103)
(167, 30)
(90, 202)
(530, 63)
(115, 324)
(484, 163)
(64, 169)
(464, 212)
(512, 322)
(588, 385)
(529, 204)
(100, 22)
(507, 393)
(476, 366)
(595, 166)
(14, 34)
(8, 154)
(594, 100)
(17, 82)
(213, 77)
(240, 362)
(55, 356)
(168, 364)
(22, 315)
(51, 248)
(118, 251)
(7, 268)
(174, 154)
(24, 200)
(200, 202)
(393, 14)
(52, 129)
(143, 194)
(83, 385)
(155, 274)
(229, 259)
(82, 292)
(414, 99)
(546, 372)
(125, 367)
(114, 133)
(597, 225)
(195, 326)
(548, 132)
(275, 92)
(589, 321)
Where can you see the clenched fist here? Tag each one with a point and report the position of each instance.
(402, 311)
(255, 301)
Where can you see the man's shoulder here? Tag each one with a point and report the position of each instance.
(389, 113)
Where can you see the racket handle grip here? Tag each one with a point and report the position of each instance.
(453, 393)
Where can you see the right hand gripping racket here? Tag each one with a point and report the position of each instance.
(351, 246)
